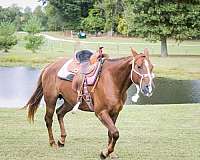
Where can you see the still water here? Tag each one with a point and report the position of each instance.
(17, 85)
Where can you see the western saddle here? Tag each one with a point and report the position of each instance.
(84, 70)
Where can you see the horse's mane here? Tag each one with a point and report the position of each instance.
(118, 59)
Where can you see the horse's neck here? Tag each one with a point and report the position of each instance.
(121, 72)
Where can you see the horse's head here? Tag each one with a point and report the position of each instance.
(141, 73)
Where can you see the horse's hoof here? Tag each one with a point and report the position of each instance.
(54, 145)
(113, 156)
(60, 144)
(102, 156)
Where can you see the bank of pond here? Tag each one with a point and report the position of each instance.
(18, 83)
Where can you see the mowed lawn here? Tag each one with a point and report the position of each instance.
(149, 132)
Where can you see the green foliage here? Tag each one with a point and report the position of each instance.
(159, 20)
(94, 22)
(72, 11)
(17, 22)
(55, 21)
(113, 9)
(33, 26)
(34, 42)
(122, 26)
(129, 18)
(9, 14)
(7, 37)
(26, 15)
(41, 16)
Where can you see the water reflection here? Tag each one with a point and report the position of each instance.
(17, 85)
(170, 91)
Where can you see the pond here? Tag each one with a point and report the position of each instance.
(17, 85)
(170, 91)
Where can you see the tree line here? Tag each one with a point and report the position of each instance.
(154, 20)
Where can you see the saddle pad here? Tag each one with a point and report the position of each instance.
(64, 73)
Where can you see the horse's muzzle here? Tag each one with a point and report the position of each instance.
(147, 90)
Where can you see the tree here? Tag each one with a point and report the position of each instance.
(113, 9)
(11, 14)
(94, 22)
(7, 37)
(33, 27)
(71, 11)
(18, 23)
(122, 26)
(157, 20)
(34, 42)
(41, 16)
(55, 21)
(26, 15)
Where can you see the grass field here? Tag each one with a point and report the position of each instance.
(183, 62)
(150, 132)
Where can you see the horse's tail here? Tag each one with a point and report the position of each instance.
(35, 99)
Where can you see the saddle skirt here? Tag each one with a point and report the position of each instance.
(72, 67)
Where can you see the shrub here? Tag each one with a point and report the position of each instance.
(7, 37)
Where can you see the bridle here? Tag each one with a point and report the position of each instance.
(146, 75)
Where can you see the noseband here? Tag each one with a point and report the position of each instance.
(148, 75)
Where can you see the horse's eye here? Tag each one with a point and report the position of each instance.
(139, 67)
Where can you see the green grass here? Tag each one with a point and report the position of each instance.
(150, 132)
(177, 67)
(183, 62)
(121, 45)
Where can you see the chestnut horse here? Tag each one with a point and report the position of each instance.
(109, 96)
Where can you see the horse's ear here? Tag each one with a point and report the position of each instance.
(134, 52)
(146, 52)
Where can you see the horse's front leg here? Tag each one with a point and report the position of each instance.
(106, 119)
(114, 118)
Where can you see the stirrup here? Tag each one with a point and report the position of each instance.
(76, 107)
(79, 101)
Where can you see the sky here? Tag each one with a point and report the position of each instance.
(21, 3)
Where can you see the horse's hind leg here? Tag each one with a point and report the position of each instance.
(50, 108)
(61, 111)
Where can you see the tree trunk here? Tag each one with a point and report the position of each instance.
(111, 31)
(164, 52)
